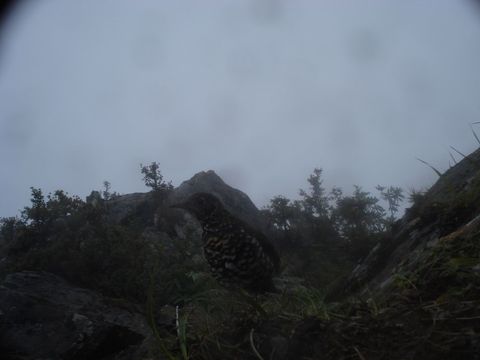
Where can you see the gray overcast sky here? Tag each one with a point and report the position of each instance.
(261, 91)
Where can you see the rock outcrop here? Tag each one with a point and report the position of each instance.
(234, 200)
(43, 317)
(449, 209)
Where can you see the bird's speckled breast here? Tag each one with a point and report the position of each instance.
(236, 260)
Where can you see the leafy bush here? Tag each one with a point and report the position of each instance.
(322, 234)
(153, 178)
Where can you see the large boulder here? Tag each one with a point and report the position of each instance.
(44, 317)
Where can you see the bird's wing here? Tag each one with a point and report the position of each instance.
(264, 242)
(269, 249)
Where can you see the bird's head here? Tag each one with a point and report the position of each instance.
(202, 205)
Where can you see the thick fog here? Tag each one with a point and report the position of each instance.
(259, 91)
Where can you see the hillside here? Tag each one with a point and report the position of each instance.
(124, 278)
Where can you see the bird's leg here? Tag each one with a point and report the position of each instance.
(253, 302)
